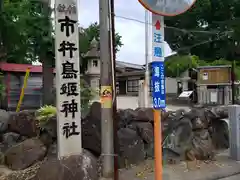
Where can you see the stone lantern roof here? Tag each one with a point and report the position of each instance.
(94, 51)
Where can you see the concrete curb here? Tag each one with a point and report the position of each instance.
(216, 176)
(227, 169)
(228, 176)
(203, 176)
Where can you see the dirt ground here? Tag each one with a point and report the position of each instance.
(221, 168)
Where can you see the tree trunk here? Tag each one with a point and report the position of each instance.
(47, 79)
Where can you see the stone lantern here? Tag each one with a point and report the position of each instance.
(93, 65)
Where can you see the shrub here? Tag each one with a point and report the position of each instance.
(87, 95)
(2, 87)
(44, 114)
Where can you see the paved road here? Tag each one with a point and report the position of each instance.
(174, 107)
(124, 102)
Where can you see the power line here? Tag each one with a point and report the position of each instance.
(227, 21)
(171, 27)
(200, 43)
(184, 31)
(168, 27)
(226, 33)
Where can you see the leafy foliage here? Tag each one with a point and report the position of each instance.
(87, 95)
(11, 29)
(86, 35)
(25, 30)
(2, 86)
(26, 33)
(176, 65)
(44, 114)
(220, 17)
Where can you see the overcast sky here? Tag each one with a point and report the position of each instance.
(133, 33)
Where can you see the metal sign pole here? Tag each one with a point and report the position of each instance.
(158, 94)
(146, 83)
(160, 9)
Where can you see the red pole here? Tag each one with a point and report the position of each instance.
(158, 145)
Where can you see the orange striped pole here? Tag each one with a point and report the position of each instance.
(158, 144)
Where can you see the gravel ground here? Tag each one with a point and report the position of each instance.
(223, 167)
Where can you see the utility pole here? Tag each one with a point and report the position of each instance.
(1, 33)
(47, 67)
(115, 123)
(233, 72)
(233, 81)
(146, 84)
(106, 92)
(1, 7)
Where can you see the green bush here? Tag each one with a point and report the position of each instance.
(2, 87)
(87, 95)
(46, 112)
(176, 65)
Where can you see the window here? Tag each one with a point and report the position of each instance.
(151, 86)
(117, 87)
(95, 83)
(132, 85)
(95, 63)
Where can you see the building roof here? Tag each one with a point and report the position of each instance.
(11, 67)
(121, 64)
(94, 52)
(132, 73)
(213, 67)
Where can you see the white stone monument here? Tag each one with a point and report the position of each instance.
(234, 131)
(67, 78)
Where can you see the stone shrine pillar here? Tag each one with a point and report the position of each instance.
(227, 95)
(141, 102)
(234, 132)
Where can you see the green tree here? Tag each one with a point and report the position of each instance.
(13, 44)
(221, 17)
(25, 31)
(26, 35)
(86, 35)
(176, 65)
